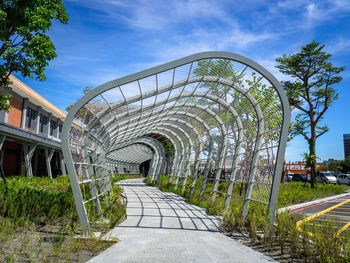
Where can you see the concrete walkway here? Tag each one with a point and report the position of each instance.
(162, 227)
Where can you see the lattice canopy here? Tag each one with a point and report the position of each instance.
(209, 121)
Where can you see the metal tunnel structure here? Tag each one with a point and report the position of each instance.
(212, 122)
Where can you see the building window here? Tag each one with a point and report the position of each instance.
(53, 126)
(31, 115)
(43, 123)
(59, 130)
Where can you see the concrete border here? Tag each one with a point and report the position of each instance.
(325, 199)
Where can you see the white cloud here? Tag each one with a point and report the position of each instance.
(291, 4)
(305, 15)
(312, 11)
(235, 40)
(338, 46)
(242, 39)
(157, 15)
(328, 9)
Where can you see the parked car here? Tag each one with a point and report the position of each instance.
(327, 178)
(336, 174)
(299, 177)
(343, 179)
(289, 177)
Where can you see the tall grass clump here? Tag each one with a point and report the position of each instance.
(324, 245)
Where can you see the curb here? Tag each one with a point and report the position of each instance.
(325, 199)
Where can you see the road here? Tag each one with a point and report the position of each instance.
(162, 227)
(335, 214)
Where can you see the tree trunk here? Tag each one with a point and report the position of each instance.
(312, 154)
(312, 146)
(283, 172)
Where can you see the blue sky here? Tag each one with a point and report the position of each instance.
(107, 39)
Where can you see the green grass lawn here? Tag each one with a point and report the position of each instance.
(296, 192)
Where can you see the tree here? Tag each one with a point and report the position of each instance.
(25, 46)
(346, 165)
(311, 92)
(334, 166)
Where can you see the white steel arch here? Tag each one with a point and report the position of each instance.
(181, 116)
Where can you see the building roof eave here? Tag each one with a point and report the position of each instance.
(25, 91)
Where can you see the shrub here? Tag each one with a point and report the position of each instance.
(42, 200)
(38, 200)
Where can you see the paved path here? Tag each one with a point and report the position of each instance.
(162, 227)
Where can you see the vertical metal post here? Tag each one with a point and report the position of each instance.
(161, 168)
(253, 167)
(149, 175)
(279, 164)
(155, 168)
(207, 165)
(218, 174)
(106, 183)
(195, 169)
(99, 174)
(90, 174)
(187, 167)
(179, 170)
(172, 170)
(234, 169)
(220, 164)
(155, 165)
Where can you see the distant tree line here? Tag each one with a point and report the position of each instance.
(342, 166)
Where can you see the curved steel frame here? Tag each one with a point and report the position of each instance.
(190, 119)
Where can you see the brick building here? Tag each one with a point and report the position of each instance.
(30, 134)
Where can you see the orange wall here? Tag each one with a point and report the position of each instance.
(15, 113)
(300, 167)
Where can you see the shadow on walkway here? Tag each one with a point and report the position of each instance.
(148, 207)
(154, 232)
